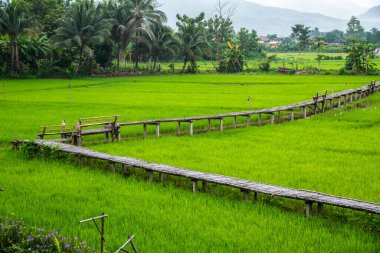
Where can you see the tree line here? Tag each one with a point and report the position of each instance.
(86, 37)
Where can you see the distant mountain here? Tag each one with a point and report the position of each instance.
(373, 13)
(371, 18)
(265, 20)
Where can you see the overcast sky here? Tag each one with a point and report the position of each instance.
(335, 8)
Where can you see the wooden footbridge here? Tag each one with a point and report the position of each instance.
(108, 125)
(245, 186)
(319, 104)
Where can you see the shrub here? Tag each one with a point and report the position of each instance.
(16, 237)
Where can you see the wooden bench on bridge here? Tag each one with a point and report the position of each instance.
(62, 132)
(97, 125)
(86, 126)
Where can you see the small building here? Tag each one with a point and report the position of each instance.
(269, 42)
(377, 51)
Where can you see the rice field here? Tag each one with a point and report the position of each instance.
(341, 160)
(288, 60)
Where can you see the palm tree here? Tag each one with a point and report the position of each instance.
(144, 14)
(82, 28)
(192, 38)
(163, 43)
(13, 22)
(121, 31)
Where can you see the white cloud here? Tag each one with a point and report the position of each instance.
(335, 8)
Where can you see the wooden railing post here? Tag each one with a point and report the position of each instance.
(179, 128)
(191, 128)
(158, 130)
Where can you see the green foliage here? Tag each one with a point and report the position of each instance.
(361, 54)
(83, 28)
(355, 30)
(334, 36)
(14, 21)
(15, 236)
(248, 42)
(220, 30)
(233, 62)
(302, 36)
(264, 66)
(193, 42)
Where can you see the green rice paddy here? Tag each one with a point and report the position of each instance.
(334, 153)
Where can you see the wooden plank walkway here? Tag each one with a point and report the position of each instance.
(245, 186)
(318, 104)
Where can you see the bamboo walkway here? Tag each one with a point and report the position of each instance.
(319, 104)
(245, 186)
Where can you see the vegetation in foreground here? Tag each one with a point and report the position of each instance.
(163, 218)
(15, 236)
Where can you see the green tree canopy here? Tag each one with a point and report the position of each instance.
(191, 35)
(301, 34)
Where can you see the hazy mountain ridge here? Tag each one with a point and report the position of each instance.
(373, 13)
(265, 20)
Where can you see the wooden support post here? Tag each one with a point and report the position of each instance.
(259, 119)
(204, 185)
(351, 97)
(209, 124)
(151, 175)
(309, 208)
(179, 128)
(235, 122)
(255, 196)
(161, 176)
(248, 120)
(158, 130)
(124, 169)
(292, 115)
(320, 208)
(118, 136)
(195, 185)
(221, 124)
(339, 101)
(304, 112)
(323, 105)
(331, 103)
(102, 234)
(272, 118)
(145, 131)
(106, 139)
(278, 116)
(246, 195)
(345, 100)
(356, 96)
(113, 167)
(191, 128)
(79, 140)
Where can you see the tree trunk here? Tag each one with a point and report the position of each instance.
(14, 54)
(154, 63)
(184, 64)
(118, 57)
(80, 60)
